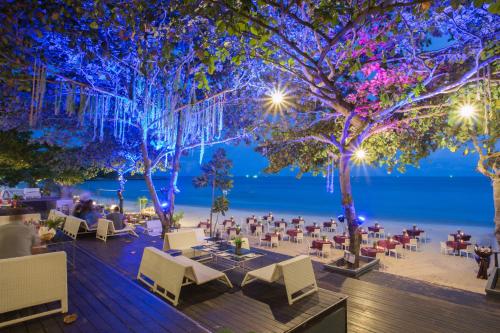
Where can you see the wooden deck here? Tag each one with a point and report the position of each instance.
(106, 301)
(378, 302)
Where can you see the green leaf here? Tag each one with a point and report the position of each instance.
(94, 25)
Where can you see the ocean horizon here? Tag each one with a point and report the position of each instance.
(430, 200)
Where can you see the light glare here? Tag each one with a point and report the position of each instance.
(467, 111)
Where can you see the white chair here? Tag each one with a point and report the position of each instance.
(166, 275)
(274, 240)
(413, 244)
(259, 229)
(451, 238)
(106, 228)
(299, 238)
(31, 281)
(73, 224)
(422, 237)
(346, 244)
(445, 249)
(468, 251)
(232, 234)
(325, 250)
(154, 227)
(364, 238)
(316, 233)
(297, 275)
(380, 233)
(397, 250)
(182, 241)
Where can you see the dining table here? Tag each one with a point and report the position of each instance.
(229, 222)
(293, 232)
(329, 224)
(253, 227)
(298, 221)
(268, 235)
(340, 239)
(388, 244)
(461, 236)
(457, 245)
(414, 232)
(318, 243)
(402, 239)
(311, 228)
(375, 228)
(371, 251)
(278, 223)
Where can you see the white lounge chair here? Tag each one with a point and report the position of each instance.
(297, 275)
(31, 281)
(182, 241)
(166, 275)
(106, 228)
(74, 226)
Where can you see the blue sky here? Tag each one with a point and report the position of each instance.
(247, 161)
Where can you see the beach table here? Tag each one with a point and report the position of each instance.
(253, 227)
(311, 228)
(460, 236)
(371, 252)
(374, 228)
(267, 236)
(329, 224)
(293, 232)
(340, 239)
(298, 221)
(457, 245)
(402, 239)
(228, 230)
(414, 232)
(318, 244)
(388, 245)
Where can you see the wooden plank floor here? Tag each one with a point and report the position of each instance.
(378, 302)
(106, 301)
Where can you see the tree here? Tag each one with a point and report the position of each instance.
(215, 174)
(359, 71)
(137, 70)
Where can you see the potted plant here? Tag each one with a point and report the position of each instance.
(176, 219)
(48, 230)
(237, 245)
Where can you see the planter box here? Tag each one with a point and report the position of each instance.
(493, 285)
(366, 265)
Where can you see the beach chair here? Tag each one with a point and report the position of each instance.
(182, 241)
(445, 249)
(316, 233)
(364, 238)
(412, 244)
(106, 228)
(33, 281)
(55, 214)
(259, 229)
(346, 244)
(154, 227)
(422, 237)
(74, 226)
(380, 233)
(274, 240)
(166, 275)
(397, 250)
(297, 275)
(468, 251)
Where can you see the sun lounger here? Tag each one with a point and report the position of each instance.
(73, 224)
(182, 241)
(166, 275)
(297, 274)
(106, 228)
(33, 280)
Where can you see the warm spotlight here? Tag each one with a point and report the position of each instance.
(467, 111)
(360, 154)
(277, 97)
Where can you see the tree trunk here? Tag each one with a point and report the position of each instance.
(174, 171)
(211, 208)
(496, 202)
(151, 186)
(348, 205)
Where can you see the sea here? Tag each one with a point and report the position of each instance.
(430, 200)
